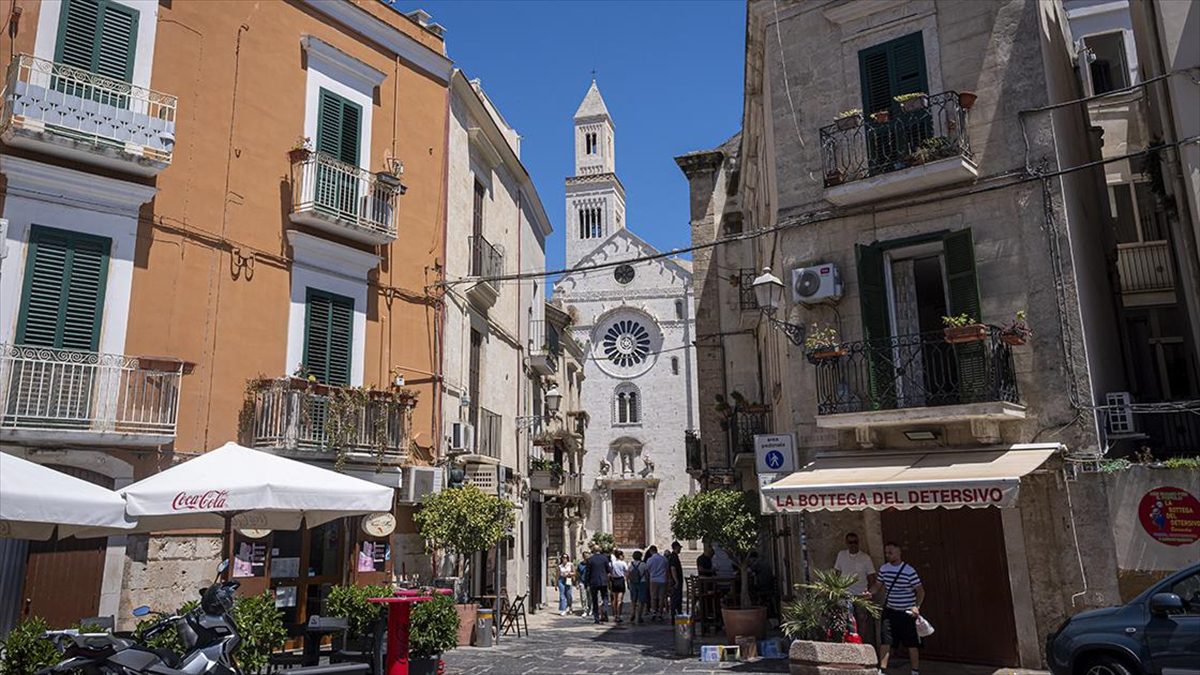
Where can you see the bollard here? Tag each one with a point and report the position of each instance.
(683, 635)
(483, 627)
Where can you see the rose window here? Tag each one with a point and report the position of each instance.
(627, 343)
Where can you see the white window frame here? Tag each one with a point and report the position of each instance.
(332, 69)
(49, 18)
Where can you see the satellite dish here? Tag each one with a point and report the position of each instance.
(807, 283)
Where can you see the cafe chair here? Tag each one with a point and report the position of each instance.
(512, 614)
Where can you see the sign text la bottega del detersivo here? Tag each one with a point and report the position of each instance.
(983, 496)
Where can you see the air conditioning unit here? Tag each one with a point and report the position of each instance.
(419, 482)
(462, 437)
(1120, 413)
(819, 283)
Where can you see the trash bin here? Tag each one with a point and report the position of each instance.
(683, 634)
(483, 627)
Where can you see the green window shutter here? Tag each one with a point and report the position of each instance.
(339, 127)
(79, 29)
(876, 79)
(328, 337)
(972, 357)
(906, 62)
(63, 298)
(98, 36)
(872, 295)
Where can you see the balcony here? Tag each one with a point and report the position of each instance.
(877, 157)
(543, 347)
(65, 111)
(566, 485)
(694, 451)
(1146, 271)
(305, 420)
(919, 378)
(343, 199)
(487, 261)
(745, 424)
(59, 396)
(488, 434)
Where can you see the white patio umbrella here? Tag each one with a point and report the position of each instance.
(35, 499)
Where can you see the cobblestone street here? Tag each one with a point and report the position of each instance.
(572, 645)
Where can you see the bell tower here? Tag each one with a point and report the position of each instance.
(595, 196)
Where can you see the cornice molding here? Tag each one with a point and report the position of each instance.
(857, 9)
(73, 188)
(330, 257)
(378, 31)
(344, 67)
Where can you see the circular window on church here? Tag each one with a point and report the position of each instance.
(627, 343)
(623, 274)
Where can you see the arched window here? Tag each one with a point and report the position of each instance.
(674, 365)
(627, 405)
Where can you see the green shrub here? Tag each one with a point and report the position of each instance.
(726, 517)
(260, 625)
(462, 521)
(350, 603)
(434, 626)
(167, 639)
(604, 540)
(24, 651)
(819, 611)
(1192, 463)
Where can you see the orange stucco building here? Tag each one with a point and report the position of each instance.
(201, 200)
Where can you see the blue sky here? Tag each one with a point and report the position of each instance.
(670, 72)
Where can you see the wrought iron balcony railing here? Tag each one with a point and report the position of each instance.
(915, 371)
(68, 395)
(543, 347)
(305, 418)
(864, 146)
(1145, 267)
(343, 198)
(60, 108)
(488, 434)
(745, 424)
(487, 261)
(694, 451)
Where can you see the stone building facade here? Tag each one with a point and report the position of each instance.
(635, 322)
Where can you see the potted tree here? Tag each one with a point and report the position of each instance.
(459, 522)
(823, 344)
(728, 518)
(363, 618)
(1016, 333)
(962, 329)
(819, 624)
(433, 630)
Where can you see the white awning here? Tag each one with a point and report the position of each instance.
(930, 479)
(35, 499)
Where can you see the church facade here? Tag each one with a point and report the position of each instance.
(635, 319)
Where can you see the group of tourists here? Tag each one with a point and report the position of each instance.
(652, 581)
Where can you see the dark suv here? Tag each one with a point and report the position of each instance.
(1158, 633)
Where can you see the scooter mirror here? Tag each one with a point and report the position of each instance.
(140, 611)
(223, 566)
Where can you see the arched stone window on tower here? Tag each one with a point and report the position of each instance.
(627, 405)
(590, 142)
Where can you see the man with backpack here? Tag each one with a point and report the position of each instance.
(639, 591)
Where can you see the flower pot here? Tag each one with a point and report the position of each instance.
(388, 178)
(833, 178)
(543, 480)
(740, 622)
(1013, 339)
(914, 104)
(298, 155)
(466, 622)
(820, 658)
(966, 99)
(826, 354)
(424, 665)
(847, 123)
(975, 332)
(881, 117)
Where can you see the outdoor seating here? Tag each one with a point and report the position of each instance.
(512, 614)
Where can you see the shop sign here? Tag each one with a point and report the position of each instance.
(254, 532)
(379, 524)
(1001, 495)
(1171, 515)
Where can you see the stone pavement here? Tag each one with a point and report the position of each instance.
(575, 646)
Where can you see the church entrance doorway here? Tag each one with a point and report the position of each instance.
(629, 518)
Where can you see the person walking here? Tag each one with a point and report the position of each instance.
(616, 584)
(657, 565)
(581, 579)
(675, 571)
(599, 569)
(639, 595)
(903, 595)
(854, 562)
(566, 583)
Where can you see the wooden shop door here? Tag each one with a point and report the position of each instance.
(960, 557)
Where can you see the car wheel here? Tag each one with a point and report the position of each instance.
(1107, 665)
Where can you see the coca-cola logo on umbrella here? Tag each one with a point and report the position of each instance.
(213, 500)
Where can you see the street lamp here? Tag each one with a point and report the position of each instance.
(553, 401)
(768, 291)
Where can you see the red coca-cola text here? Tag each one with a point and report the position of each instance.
(212, 500)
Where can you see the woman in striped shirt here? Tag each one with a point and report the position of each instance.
(903, 595)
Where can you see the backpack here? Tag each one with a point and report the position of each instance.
(637, 571)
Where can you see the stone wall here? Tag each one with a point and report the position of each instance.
(165, 571)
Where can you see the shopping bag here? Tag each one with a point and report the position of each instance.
(924, 628)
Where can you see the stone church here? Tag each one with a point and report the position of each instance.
(636, 322)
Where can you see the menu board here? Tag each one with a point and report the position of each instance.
(251, 560)
(285, 568)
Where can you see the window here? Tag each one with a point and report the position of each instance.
(626, 343)
(1107, 65)
(98, 36)
(339, 123)
(63, 298)
(890, 69)
(623, 274)
(589, 140)
(590, 224)
(328, 336)
(477, 209)
(627, 403)
(678, 309)
(1188, 590)
(1137, 213)
(674, 365)
(476, 356)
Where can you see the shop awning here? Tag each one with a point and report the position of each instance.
(930, 479)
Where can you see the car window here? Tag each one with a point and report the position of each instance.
(1188, 589)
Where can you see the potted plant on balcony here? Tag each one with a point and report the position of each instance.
(932, 149)
(966, 100)
(917, 100)
(434, 626)
(819, 624)
(963, 329)
(728, 518)
(301, 149)
(1018, 332)
(390, 177)
(544, 474)
(834, 176)
(848, 119)
(823, 344)
(459, 522)
(881, 116)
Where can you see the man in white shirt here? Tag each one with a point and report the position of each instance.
(853, 562)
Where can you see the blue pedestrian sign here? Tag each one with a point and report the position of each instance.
(774, 459)
(775, 453)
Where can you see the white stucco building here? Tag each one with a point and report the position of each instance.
(636, 323)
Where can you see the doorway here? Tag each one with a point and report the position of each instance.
(537, 559)
(959, 555)
(629, 518)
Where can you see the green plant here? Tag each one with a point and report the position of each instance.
(167, 639)
(348, 407)
(546, 464)
(25, 651)
(302, 143)
(933, 148)
(960, 321)
(1192, 463)
(462, 521)
(260, 625)
(1115, 465)
(726, 517)
(433, 627)
(909, 97)
(822, 339)
(1018, 326)
(848, 113)
(819, 611)
(351, 603)
(604, 540)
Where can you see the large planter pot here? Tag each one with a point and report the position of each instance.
(466, 622)
(424, 665)
(741, 622)
(543, 480)
(831, 658)
(957, 335)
